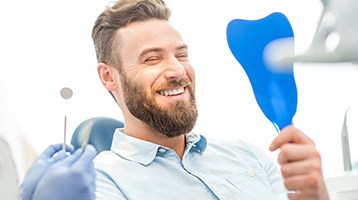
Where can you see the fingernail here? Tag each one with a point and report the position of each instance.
(78, 151)
(271, 147)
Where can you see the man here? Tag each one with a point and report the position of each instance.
(144, 64)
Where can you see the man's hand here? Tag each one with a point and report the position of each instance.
(301, 165)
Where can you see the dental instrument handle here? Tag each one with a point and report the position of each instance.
(66, 93)
(64, 133)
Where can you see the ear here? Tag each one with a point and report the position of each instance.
(108, 75)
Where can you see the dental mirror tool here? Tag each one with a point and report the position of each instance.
(66, 93)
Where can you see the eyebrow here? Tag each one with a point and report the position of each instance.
(158, 49)
(147, 50)
(183, 46)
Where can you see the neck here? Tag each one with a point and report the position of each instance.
(144, 132)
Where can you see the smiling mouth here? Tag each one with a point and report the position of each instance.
(171, 92)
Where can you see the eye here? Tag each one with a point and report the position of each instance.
(182, 57)
(152, 60)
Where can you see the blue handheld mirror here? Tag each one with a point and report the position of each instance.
(275, 90)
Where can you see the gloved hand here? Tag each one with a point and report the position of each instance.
(51, 155)
(71, 178)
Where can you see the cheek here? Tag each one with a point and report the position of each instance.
(144, 80)
(149, 77)
(190, 72)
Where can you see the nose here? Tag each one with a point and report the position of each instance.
(174, 70)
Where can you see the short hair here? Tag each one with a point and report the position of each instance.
(122, 13)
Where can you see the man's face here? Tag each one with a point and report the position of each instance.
(157, 78)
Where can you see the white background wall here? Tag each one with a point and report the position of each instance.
(46, 45)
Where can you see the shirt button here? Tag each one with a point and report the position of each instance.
(213, 187)
(161, 150)
(251, 173)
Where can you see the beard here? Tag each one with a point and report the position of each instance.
(179, 118)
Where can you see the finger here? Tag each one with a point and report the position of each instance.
(295, 152)
(289, 134)
(58, 156)
(70, 159)
(51, 150)
(299, 168)
(306, 182)
(309, 194)
(295, 183)
(89, 152)
(86, 158)
(293, 196)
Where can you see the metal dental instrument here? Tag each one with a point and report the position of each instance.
(85, 135)
(66, 93)
(345, 145)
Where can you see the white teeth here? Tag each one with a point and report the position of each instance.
(172, 92)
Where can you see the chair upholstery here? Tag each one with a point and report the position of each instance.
(97, 131)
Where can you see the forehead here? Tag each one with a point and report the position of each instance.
(137, 36)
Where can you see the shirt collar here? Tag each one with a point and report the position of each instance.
(144, 152)
(195, 142)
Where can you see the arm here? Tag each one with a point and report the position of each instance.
(106, 189)
(300, 165)
(273, 174)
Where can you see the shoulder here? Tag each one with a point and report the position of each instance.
(106, 185)
(106, 158)
(236, 145)
(239, 148)
(104, 162)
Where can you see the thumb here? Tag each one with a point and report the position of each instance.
(86, 157)
(70, 159)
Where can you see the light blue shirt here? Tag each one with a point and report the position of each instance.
(136, 170)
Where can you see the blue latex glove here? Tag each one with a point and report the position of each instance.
(58, 177)
(71, 178)
(51, 155)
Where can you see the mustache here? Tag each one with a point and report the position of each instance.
(185, 82)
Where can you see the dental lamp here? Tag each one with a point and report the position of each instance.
(336, 38)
